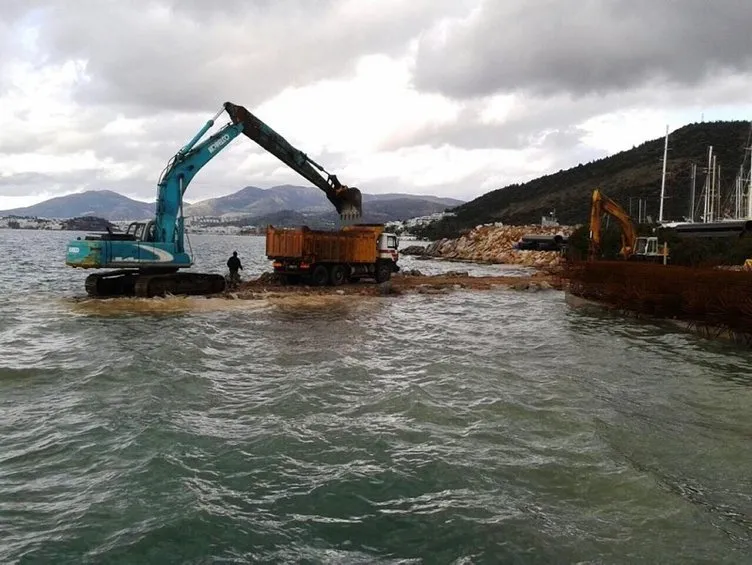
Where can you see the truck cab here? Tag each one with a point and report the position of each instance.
(388, 248)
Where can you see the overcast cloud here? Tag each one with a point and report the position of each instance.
(591, 46)
(449, 97)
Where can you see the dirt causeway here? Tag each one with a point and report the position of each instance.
(267, 285)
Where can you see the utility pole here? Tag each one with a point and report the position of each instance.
(663, 178)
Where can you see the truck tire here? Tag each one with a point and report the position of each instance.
(320, 276)
(383, 271)
(338, 275)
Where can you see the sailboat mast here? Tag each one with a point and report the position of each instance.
(692, 193)
(663, 178)
(706, 208)
(749, 188)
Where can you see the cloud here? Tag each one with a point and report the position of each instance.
(523, 120)
(548, 47)
(192, 56)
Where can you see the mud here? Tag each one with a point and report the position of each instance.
(267, 286)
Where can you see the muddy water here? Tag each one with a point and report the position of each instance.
(478, 427)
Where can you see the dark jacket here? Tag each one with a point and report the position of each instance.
(233, 263)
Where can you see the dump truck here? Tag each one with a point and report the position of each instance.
(333, 257)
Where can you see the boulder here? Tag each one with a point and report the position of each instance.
(413, 250)
(497, 244)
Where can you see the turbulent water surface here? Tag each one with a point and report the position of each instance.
(487, 427)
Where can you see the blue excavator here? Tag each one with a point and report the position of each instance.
(148, 256)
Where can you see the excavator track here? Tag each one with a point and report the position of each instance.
(113, 283)
(131, 283)
(148, 286)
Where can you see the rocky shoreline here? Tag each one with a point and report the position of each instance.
(494, 245)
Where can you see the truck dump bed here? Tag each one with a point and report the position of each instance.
(353, 244)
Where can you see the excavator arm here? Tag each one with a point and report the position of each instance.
(602, 204)
(196, 153)
(178, 174)
(347, 200)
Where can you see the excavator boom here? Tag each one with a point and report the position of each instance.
(603, 204)
(347, 200)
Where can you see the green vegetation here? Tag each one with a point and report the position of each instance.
(635, 174)
(706, 252)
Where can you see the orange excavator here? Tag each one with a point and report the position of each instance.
(632, 246)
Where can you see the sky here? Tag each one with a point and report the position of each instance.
(446, 97)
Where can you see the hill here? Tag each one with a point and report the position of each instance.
(99, 203)
(634, 173)
(253, 204)
(256, 202)
(374, 212)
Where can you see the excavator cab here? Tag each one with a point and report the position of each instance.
(648, 249)
(646, 246)
(141, 231)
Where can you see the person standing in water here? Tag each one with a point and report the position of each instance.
(233, 263)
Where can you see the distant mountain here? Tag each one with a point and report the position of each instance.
(257, 202)
(446, 202)
(250, 202)
(374, 212)
(100, 203)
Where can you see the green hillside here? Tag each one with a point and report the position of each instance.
(634, 173)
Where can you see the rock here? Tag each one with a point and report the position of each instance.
(413, 250)
(340, 292)
(427, 289)
(411, 273)
(496, 244)
(456, 274)
(270, 278)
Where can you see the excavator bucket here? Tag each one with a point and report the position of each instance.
(349, 203)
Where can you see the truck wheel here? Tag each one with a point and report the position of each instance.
(338, 275)
(383, 272)
(320, 276)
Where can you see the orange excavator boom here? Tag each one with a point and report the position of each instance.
(603, 204)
